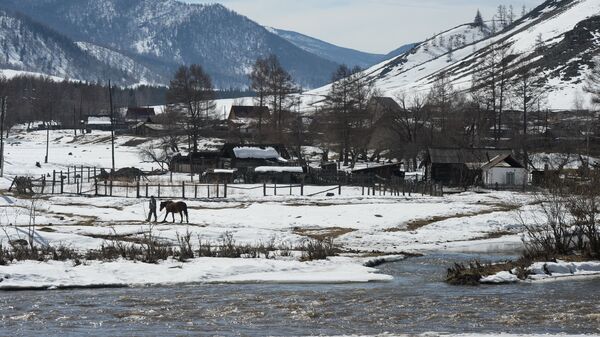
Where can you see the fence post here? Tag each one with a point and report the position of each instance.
(95, 175)
(264, 189)
(146, 190)
(159, 190)
(302, 189)
(225, 190)
(95, 187)
(111, 188)
(137, 188)
(88, 179)
(183, 190)
(363, 189)
(62, 183)
(68, 175)
(43, 183)
(208, 191)
(105, 188)
(217, 190)
(82, 174)
(53, 180)
(290, 188)
(275, 189)
(195, 191)
(340, 189)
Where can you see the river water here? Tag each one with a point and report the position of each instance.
(416, 301)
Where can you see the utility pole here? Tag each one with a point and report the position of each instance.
(112, 123)
(3, 103)
(48, 136)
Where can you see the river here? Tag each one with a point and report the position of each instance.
(416, 301)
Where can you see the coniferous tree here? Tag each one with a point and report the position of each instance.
(478, 22)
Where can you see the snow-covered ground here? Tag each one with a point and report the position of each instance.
(549, 271)
(367, 226)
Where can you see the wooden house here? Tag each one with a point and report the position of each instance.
(198, 162)
(148, 129)
(245, 119)
(279, 174)
(139, 114)
(458, 166)
(381, 171)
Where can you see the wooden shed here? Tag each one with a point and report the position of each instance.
(458, 166)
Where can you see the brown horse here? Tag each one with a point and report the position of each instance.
(175, 207)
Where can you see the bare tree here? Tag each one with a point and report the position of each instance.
(347, 105)
(528, 94)
(192, 87)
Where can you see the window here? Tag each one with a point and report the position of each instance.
(510, 178)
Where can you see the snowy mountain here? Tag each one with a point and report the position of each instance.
(152, 37)
(30, 47)
(349, 57)
(569, 29)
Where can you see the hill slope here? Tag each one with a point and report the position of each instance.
(29, 46)
(570, 30)
(161, 34)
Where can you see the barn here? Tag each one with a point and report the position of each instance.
(458, 166)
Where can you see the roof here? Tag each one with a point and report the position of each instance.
(387, 103)
(505, 158)
(229, 151)
(137, 112)
(279, 169)
(103, 120)
(248, 111)
(377, 167)
(464, 155)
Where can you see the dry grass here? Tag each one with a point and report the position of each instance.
(323, 233)
(419, 223)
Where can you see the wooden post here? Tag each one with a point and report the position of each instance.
(340, 189)
(158, 190)
(302, 189)
(137, 189)
(363, 189)
(218, 191)
(95, 175)
(275, 189)
(208, 191)
(43, 183)
(264, 189)
(53, 180)
(195, 191)
(146, 190)
(95, 187)
(62, 183)
(105, 188)
(183, 189)
(88, 174)
(68, 175)
(81, 178)
(111, 188)
(225, 190)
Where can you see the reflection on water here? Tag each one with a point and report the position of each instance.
(416, 301)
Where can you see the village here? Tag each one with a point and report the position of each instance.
(281, 197)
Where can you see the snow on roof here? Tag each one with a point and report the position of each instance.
(99, 120)
(256, 153)
(279, 169)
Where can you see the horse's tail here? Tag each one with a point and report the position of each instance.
(185, 211)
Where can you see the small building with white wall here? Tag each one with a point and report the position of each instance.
(504, 171)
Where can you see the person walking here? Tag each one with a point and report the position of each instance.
(152, 209)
